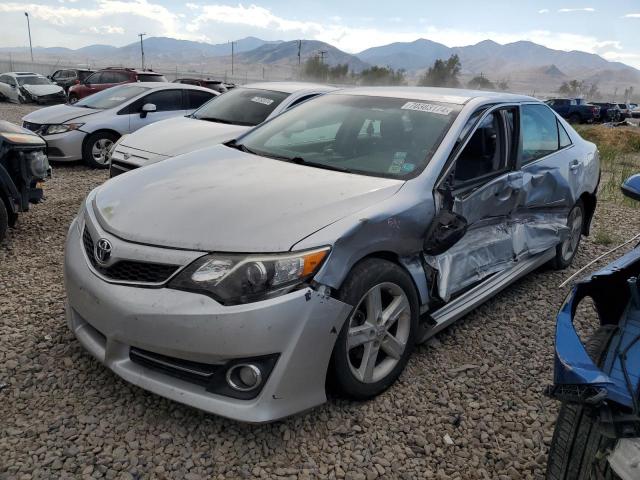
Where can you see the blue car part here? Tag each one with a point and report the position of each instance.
(615, 385)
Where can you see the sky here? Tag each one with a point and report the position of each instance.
(606, 27)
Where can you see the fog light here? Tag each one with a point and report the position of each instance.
(244, 377)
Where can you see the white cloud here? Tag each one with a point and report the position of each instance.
(632, 15)
(571, 10)
(104, 29)
(544, 10)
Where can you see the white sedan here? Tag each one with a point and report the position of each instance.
(23, 87)
(88, 129)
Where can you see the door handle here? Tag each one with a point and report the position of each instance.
(574, 165)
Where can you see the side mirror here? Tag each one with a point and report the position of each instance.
(631, 187)
(446, 229)
(146, 109)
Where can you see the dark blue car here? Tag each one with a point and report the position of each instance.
(597, 434)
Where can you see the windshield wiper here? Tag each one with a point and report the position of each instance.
(217, 120)
(239, 146)
(324, 166)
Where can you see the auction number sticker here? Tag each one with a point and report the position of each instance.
(262, 100)
(426, 107)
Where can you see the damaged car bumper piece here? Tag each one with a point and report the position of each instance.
(182, 345)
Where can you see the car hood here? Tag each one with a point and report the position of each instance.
(39, 90)
(221, 199)
(59, 114)
(179, 135)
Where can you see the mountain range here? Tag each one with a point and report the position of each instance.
(524, 65)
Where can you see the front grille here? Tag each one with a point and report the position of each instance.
(194, 372)
(128, 270)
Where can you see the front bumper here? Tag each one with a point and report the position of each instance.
(109, 319)
(65, 147)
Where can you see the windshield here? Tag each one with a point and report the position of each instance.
(241, 106)
(33, 81)
(387, 137)
(145, 77)
(111, 97)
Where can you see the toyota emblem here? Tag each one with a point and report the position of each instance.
(103, 251)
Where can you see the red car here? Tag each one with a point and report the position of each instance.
(109, 77)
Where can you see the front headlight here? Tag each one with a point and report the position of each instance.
(235, 279)
(62, 128)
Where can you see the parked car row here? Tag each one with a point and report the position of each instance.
(575, 110)
(321, 244)
(71, 85)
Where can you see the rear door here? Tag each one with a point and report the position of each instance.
(552, 167)
(169, 103)
(480, 187)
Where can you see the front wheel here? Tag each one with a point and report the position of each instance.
(575, 118)
(566, 251)
(377, 339)
(95, 150)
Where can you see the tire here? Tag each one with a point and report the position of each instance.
(95, 148)
(375, 282)
(4, 220)
(566, 251)
(73, 99)
(576, 442)
(575, 118)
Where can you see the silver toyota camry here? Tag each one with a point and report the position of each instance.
(323, 244)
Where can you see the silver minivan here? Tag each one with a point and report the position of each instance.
(326, 242)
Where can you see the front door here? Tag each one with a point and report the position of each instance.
(481, 188)
(169, 103)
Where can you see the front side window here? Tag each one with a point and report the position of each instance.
(241, 106)
(487, 151)
(164, 100)
(379, 136)
(111, 97)
(96, 78)
(539, 132)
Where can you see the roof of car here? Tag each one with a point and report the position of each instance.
(164, 85)
(290, 87)
(457, 96)
(16, 74)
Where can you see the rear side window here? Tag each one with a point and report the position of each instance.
(144, 77)
(539, 129)
(563, 137)
(119, 77)
(196, 98)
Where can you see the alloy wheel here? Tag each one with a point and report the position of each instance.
(570, 245)
(100, 150)
(379, 329)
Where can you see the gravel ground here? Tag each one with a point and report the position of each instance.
(469, 405)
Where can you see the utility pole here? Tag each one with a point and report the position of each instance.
(322, 54)
(29, 30)
(142, 48)
(232, 51)
(299, 50)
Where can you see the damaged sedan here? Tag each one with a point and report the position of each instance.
(321, 246)
(24, 87)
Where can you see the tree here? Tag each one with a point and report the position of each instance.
(315, 69)
(443, 73)
(481, 83)
(382, 76)
(503, 85)
(571, 88)
(338, 72)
